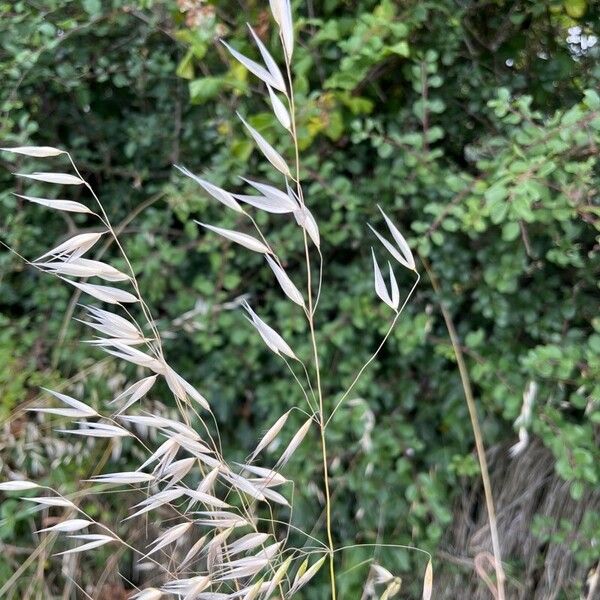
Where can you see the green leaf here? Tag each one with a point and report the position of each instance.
(92, 7)
(401, 49)
(576, 490)
(185, 69)
(205, 89)
(510, 231)
(496, 193)
(591, 99)
(575, 8)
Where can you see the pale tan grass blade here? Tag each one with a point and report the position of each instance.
(391, 249)
(69, 525)
(60, 178)
(208, 483)
(399, 239)
(247, 542)
(191, 588)
(170, 536)
(75, 246)
(395, 291)
(239, 238)
(148, 594)
(191, 445)
(270, 153)
(82, 267)
(173, 383)
(105, 293)
(264, 203)
(269, 62)
(136, 391)
(267, 553)
(134, 356)
(64, 205)
(243, 572)
(273, 477)
(380, 574)
(97, 541)
(282, 13)
(167, 447)
(103, 270)
(287, 29)
(221, 519)
(51, 501)
(287, 202)
(256, 69)
(279, 109)
(17, 485)
(273, 340)
(75, 404)
(305, 219)
(294, 443)
(113, 324)
(193, 552)
(428, 582)
(178, 469)
(270, 435)
(274, 496)
(182, 389)
(97, 430)
(35, 151)
(302, 579)
(206, 499)
(216, 192)
(124, 477)
(243, 485)
(380, 288)
(156, 501)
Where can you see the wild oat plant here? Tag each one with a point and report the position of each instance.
(233, 550)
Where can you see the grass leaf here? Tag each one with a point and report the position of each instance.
(35, 151)
(270, 63)
(61, 178)
(270, 435)
(380, 288)
(65, 205)
(270, 153)
(252, 66)
(428, 582)
(74, 247)
(242, 239)
(105, 293)
(280, 110)
(17, 485)
(216, 192)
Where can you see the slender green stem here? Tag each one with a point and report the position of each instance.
(374, 355)
(310, 318)
(133, 278)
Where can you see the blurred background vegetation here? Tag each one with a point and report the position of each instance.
(474, 123)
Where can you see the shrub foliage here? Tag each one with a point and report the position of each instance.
(476, 125)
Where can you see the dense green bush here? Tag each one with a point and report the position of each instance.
(475, 124)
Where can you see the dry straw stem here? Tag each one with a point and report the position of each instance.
(485, 476)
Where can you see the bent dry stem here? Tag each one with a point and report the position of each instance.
(477, 434)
